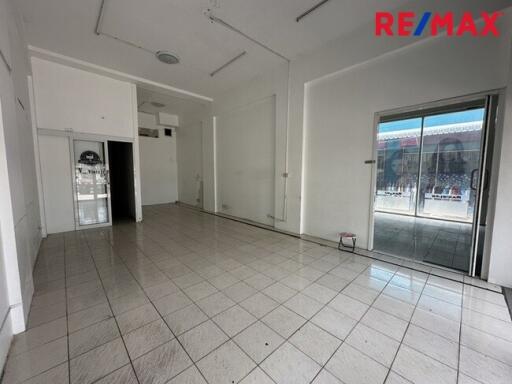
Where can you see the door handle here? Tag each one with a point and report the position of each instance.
(473, 179)
(487, 178)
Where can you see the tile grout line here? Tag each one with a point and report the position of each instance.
(258, 365)
(110, 305)
(323, 307)
(258, 319)
(406, 330)
(460, 336)
(2, 376)
(67, 315)
(161, 317)
(355, 325)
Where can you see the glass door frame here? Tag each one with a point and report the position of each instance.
(104, 141)
(71, 136)
(447, 105)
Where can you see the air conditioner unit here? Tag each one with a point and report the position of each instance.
(168, 120)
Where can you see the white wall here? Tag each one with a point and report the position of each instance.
(85, 105)
(6, 330)
(19, 210)
(190, 163)
(195, 126)
(340, 112)
(242, 101)
(245, 161)
(500, 265)
(158, 164)
(72, 99)
(56, 177)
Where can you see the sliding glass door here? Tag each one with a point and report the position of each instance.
(92, 186)
(398, 154)
(450, 161)
(428, 183)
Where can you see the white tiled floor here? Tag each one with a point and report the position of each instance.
(191, 298)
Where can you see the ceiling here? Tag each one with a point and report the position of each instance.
(181, 106)
(67, 27)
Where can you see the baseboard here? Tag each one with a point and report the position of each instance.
(6, 336)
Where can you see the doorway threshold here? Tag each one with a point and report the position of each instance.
(419, 266)
(438, 270)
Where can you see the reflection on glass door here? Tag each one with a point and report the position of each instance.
(450, 163)
(398, 151)
(428, 184)
(91, 183)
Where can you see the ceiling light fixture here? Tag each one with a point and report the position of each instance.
(156, 104)
(167, 57)
(310, 10)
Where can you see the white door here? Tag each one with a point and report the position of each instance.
(57, 179)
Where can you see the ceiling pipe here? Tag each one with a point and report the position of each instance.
(228, 63)
(225, 24)
(99, 20)
(99, 32)
(310, 10)
(4, 59)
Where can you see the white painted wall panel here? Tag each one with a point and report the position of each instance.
(500, 265)
(68, 98)
(245, 159)
(263, 87)
(57, 178)
(158, 165)
(6, 330)
(19, 208)
(190, 163)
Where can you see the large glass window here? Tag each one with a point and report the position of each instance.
(440, 185)
(398, 150)
(449, 165)
(426, 189)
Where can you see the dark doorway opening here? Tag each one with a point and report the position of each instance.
(122, 190)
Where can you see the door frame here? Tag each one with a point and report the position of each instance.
(499, 92)
(108, 223)
(86, 137)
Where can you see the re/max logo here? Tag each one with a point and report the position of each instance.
(403, 24)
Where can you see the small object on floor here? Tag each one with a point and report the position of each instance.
(350, 237)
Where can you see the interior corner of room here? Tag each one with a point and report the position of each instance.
(402, 142)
